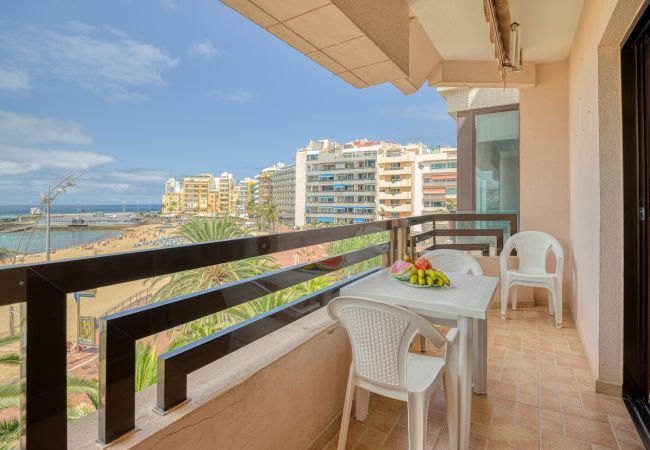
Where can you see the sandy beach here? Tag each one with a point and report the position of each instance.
(132, 239)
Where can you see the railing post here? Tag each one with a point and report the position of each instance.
(399, 239)
(43, 373)
(171, 386)
(116, 382)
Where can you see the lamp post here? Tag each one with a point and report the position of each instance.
(47, 199)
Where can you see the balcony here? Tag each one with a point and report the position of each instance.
(399, 196)
(286, 367)
(394, 184)
(395, 171)
(397, 208)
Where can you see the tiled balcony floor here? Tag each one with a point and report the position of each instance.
(540, 396)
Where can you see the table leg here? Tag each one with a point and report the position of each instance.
(480, 356)
(465, 325)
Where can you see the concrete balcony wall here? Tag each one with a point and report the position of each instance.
(279, 392)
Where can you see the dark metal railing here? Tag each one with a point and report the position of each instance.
(433, 220)
(43, 288)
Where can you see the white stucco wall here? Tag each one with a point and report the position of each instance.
(544, 160)
(584, 173)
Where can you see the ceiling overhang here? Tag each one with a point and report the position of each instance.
(408, 42)
(364, 42)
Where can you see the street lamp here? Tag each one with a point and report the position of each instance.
(47, 199)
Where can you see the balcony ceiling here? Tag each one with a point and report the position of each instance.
(406, 42)
(460, 32)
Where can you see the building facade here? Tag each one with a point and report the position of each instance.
(340, 182)
(198, 194)
(283, 193)
(396, 172)
(246, 195)
(172, 199)
(225, 194)
(435, 181)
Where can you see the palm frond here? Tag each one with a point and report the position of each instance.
(9, 396)
(10, 432)
(90, 387)
(79, 411)
(146, 365)
(10, 358)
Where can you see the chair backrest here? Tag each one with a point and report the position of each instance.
(380, 335)
(450, 260)
(532, 248)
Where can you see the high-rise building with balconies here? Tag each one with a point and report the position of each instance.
(339, 182)
(283, 192)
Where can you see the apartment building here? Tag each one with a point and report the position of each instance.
(339, 182)
(225, 195)
(200, 194)
(263, 193)
(436, 180)
(396, 172)
(172, 199)
(283, 193)
(197, 193)
(246, 194)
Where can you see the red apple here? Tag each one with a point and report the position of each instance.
(423, 264)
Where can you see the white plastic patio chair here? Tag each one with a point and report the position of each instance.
(532, 249)
(380, 335)
(450, 260)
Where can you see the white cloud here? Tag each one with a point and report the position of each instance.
(21, 129)
(109, 63)
(203, 49)
(235, 95)
(14, 80)
(30, 160)
(15, 160)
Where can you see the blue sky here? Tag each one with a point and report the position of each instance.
(130, 92)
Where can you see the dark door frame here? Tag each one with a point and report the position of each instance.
(466, 154)
(635, 81)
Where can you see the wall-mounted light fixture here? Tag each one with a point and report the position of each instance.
(514, 52)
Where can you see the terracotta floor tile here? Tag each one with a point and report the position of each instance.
(609, 405)
(540, 396)
(372, 439)
(502, 389)
(629, 437)
(514, 435)
(589, 431)
(550, 421)
(491, 445)
(555, 441)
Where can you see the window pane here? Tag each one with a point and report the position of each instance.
(497, 161)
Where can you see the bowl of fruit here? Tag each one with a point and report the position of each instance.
(418, 273)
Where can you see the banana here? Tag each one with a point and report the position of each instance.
(443, 277)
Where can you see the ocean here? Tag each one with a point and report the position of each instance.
(58, 239)
(14, 210)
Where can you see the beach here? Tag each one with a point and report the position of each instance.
(132, 239)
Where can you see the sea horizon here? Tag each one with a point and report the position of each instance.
(13, 210)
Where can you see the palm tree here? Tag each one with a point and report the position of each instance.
(207, 230)
(271, 301)
(356, 243)
(199, 329)
(10, 393)
(10, 432)
(146, 365)
(4, 255)
(270, 213)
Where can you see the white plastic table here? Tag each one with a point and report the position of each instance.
(468, 298)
